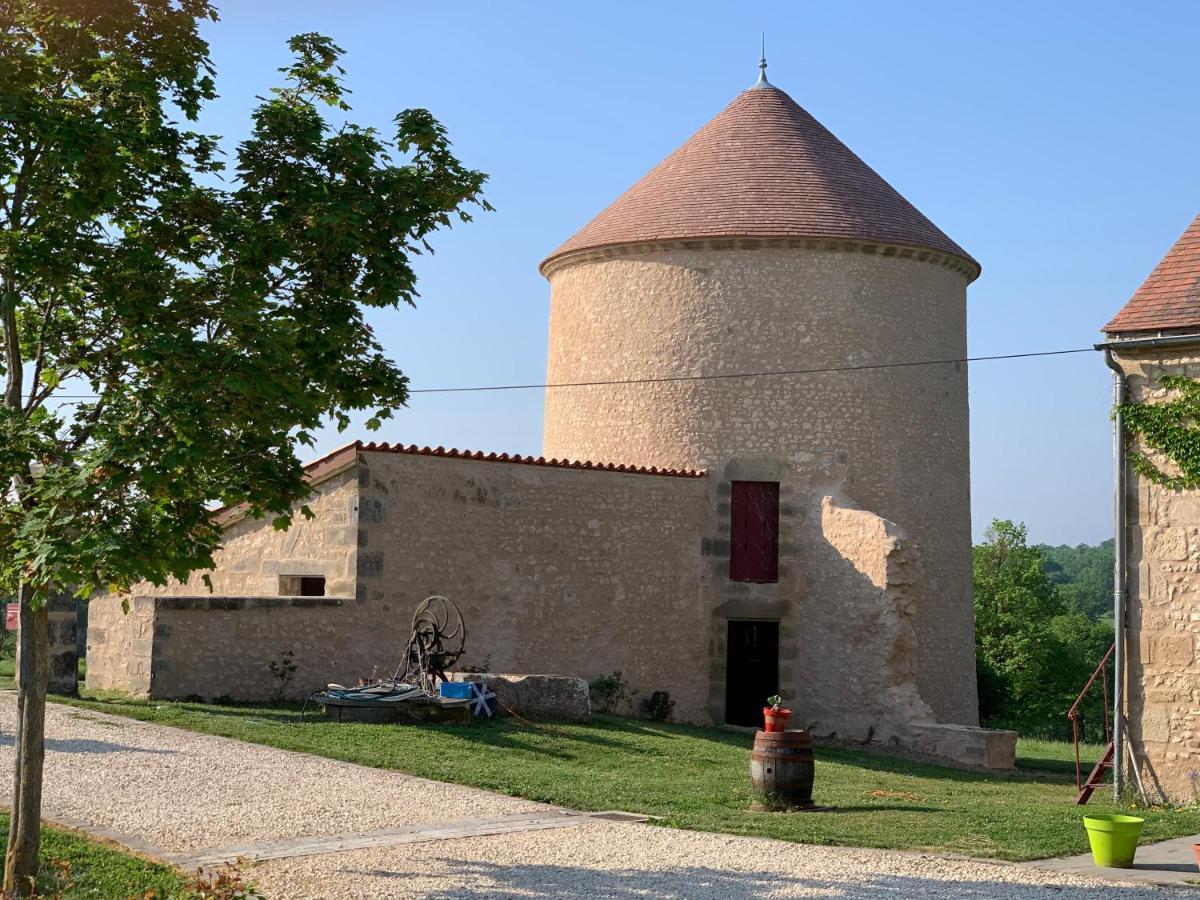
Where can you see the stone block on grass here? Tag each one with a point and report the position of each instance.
(966, 745)
(537, 696)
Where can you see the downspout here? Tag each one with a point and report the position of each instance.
(1118, 567)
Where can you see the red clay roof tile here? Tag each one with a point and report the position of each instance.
(453, 453)
(1170, 297)
(338, 459)
(762, 168)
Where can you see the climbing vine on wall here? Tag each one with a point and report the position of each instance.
(1171, 427)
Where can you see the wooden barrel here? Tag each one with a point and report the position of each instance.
(781, 770)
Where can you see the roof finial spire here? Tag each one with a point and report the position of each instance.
(762, 64)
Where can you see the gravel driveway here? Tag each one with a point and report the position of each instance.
(175, 793)
(644, 861)
(178, 790)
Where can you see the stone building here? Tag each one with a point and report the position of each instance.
(802, 530)
(1157, 333)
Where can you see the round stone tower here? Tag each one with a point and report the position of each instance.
(764, 245)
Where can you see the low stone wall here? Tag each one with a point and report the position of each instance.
(218, 646)
(964, 745)
(63, 615)
(120, 644)
(62, 629)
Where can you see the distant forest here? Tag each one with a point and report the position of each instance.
(1084, 575)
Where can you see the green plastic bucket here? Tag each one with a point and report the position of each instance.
(1114, 839)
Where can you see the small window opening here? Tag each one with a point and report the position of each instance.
(754, 531)
(302, 585)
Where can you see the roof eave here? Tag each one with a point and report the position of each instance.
(970, 266)
(1149, 338)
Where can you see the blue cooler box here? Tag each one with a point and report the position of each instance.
(456, 690)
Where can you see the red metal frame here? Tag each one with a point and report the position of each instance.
(1100, 672)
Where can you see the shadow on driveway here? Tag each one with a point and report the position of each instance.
(490, 880)
(86, 745)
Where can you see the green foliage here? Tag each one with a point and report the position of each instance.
(1170, 428)
(1078, 646)
(658, 706)
(283, 670)
(608, 692)
(1033, 655)
(697, 778)
(1083, 576)
(210, 312)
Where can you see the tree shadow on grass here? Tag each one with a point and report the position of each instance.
(145, 710)
(510, 733)
(1039, 767)
(874, 758)
(488, 880)
(619, 733)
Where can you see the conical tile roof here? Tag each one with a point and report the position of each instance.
(1170, 297)
(764, 168)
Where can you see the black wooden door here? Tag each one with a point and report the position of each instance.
(751, 670)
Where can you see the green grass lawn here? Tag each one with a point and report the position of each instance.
(696, 778)
(75, 867)
(1056, 756)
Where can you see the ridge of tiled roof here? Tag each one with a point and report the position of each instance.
(1169, 298)
(338, 460)
(763, 168)
(479, 455)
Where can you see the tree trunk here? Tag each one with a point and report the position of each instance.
(33, 675)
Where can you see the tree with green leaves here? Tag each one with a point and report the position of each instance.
(176, 323)
(1014, 603)
(1033, 656)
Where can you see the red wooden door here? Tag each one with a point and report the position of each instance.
(754, 531)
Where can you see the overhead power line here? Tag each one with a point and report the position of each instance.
(766, 373)
(763, 374)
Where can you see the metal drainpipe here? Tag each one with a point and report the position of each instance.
(1118, 566)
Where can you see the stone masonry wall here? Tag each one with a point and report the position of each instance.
(212, 644)
(173, 646)
(899, 435)
(254, 555)
(566, 572)
(872, 568)
(557, 571)
(849, 584)
(1163, 607)
(120, 644)
(63, 625)
(848, 654)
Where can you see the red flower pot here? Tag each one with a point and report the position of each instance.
(775, 719)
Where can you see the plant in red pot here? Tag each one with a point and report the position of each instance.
(776, 715)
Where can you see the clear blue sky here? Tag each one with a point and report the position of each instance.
(1057, 142)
